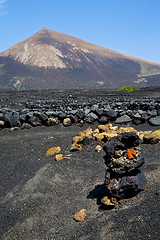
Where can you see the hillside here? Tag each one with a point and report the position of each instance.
(52, 60)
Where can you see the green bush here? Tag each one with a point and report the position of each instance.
(126, 88)
(6, 87)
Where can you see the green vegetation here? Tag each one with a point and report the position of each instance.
(126, 88)
(6, 87)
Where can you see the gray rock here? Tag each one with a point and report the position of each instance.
(80, 114)
(22, 117)
(26, 126)
(152, 113)
(43, 117)
(91, 117)
(155, 121)
(112, 114)
(123, 119)
(137, 116)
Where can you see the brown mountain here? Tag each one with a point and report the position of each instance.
(52, 60)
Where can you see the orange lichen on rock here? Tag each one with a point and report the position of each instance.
(80, 216)
(59, 157)
(131, 153)
(52, 151)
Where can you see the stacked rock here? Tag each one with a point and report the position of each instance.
(124, 177)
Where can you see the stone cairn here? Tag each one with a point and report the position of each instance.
(124, 177)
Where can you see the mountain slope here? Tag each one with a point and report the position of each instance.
(52, 60)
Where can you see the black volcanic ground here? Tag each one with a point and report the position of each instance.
(39, 196)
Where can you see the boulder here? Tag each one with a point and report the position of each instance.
(123, 119)
(112, 114)
(155, 121)
(91, 117)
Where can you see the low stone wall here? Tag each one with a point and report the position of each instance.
(36, 112)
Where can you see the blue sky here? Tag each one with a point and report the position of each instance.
(127, 26)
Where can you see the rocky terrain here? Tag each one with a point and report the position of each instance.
(52, 60)
(41, 194)
(28, 109)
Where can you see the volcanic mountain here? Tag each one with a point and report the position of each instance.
(52, 60)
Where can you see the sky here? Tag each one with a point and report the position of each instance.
(128, 26)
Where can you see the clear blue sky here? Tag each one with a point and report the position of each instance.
(127, 26)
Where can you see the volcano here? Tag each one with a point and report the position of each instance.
(53, 60)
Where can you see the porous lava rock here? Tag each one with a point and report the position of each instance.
(123, 158)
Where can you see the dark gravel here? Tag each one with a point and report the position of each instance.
(39, 196)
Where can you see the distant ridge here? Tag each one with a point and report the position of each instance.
(53, 60)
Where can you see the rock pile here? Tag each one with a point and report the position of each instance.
(69, 110)
(124, 177)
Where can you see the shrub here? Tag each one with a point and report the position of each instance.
(126, 88)
(6, 87)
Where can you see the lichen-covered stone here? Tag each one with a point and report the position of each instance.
(106, 201)
(67, 122)
(81, 215)
(76, 147)
(153, 137)
(59, 157)
(98, 148)
(52, 151)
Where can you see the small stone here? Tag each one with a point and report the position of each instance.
(76, 147)
(1, 123)
(123, 119)
(107, 201)
(153, 137)
(26, 126)
(80, 216)
(99, 136)
(98, 148)
(52, 121)
(67, 122)
(52, 151)
(77, 139)
(59, 157)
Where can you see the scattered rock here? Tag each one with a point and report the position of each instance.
(52, 151)
(153, 137)
(98, 148)
(52, 121)
(2, 123)
(91, 117)
(123, 119)
(59, 157)
(155, 121)
(67, 122)
(80, 216)
(76, 147)
(107, 201)
(26, 126)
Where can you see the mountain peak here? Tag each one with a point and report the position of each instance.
(50, 59)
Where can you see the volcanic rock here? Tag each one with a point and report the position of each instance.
(91, 117)
(123, 119)
(67, 122)
(153, 137)
(80, 216)
(155, 121)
